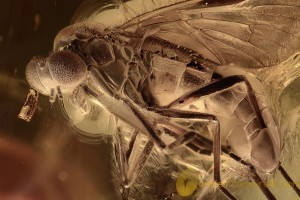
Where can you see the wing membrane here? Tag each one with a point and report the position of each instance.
(251, 33)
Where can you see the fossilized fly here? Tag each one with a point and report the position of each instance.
(165, 69)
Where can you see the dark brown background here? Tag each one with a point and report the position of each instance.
(42, 159)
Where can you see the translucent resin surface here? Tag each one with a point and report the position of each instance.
(194, 99)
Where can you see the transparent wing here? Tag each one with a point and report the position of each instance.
(252, 33)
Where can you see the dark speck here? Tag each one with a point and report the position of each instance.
(296, 56)
(216, 76)
(196, 65)
(152, 77)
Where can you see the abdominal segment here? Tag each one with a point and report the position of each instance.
(240, 126)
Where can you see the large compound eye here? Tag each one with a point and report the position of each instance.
(66, 68)
(33, 77)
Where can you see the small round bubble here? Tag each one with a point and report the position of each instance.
(187, 182)
(66, 68)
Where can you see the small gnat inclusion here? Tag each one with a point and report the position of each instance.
(163, 72)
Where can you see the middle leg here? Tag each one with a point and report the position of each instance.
(198, 142)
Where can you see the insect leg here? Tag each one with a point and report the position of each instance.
(129, 162)
(219, 85)
(131, 144)
(151, 130)
(260, 127)
(257, 178)
(289, 179)
(253, 174)
(121, 162)
(203, 143)
(52, 96)
(138, 164)
(100, 78)
(59, 93)
(263, 118)
(217, 152)
(185, 138)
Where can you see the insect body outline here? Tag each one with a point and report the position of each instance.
(117, 67)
